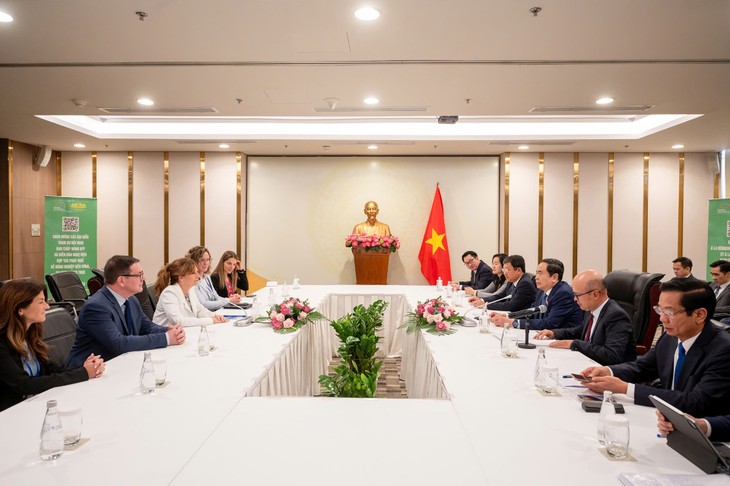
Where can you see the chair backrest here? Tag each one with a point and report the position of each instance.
(632, 291)
(99, 273)
(94, 284)
(146, 301)
(59, 332)
(67, 286)
(153, 295)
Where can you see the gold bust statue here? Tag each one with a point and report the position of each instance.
(372, 226)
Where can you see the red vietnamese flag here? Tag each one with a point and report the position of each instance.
(434, 254)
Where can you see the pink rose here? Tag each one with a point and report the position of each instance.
(429, 309)
(280, 317)
(441, 326)
(307, 308)
(272, 315)
(303, 315)
(441, 308)
(438, 318)
(276, 324)
(288, 323)
(299, 305)
(354, 243)
(284, 310)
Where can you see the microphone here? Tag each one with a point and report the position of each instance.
(527, 312)
(506, 297)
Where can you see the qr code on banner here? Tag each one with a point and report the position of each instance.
(70, 224)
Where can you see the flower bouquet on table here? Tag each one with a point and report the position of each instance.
(434, 316)
(290, 315)
(373, 242)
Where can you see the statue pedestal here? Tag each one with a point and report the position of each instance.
(371, 267)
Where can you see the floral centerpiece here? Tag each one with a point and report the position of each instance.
(290, 315)
(435, 316)
(372, 242)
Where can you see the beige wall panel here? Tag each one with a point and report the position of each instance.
(593, 212)
(300, 209)
(184, 202)
(698, 187)
(148, 213)
(112, 205)
(220, 203)
(523, 205)
(628, 211)
(244, 209)
(663, 212)
(76, 177)
(558, 210)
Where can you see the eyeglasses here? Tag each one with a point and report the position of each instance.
(667, 312)
(469, 262)
(577, 296)
(135, 275)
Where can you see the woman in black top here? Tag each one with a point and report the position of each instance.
(229, 276)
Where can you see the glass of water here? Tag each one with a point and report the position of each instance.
(549, 380)
(617, 433)
(160, 366)
(71, 421)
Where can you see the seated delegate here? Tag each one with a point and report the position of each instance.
(481, 273)
(498, 282)
(178, 302)
(25, 369)
(519, 287)
(716, 429)
(206, 292)
(229, 275)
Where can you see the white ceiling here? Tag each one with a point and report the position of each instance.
(284, 57)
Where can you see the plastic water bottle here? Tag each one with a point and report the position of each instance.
(203, 342)
(607, 409)
(439, 284)
(539, 365)
(51, 445)
(147, 374)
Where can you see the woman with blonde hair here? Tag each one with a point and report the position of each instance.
(206, 292)
(25, 368)
(229, 276)
(178, 302)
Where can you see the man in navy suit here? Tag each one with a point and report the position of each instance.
(605, 334)
(111, 322)
(690, 359)
(519, 286)
(555, 294)
(481, 273)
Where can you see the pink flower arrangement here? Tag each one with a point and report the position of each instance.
(290, 315)
(434, 315)
(372, 242)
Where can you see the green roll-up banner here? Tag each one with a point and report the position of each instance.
(70, 235)
(718, 232)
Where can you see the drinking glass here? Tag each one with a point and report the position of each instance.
(160, 366)
(71, 421)
(617, 433)
(549, 380)
(484, 323)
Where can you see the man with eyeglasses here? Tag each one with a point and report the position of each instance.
(606, 334)
(481, 273)
(111, 322)
(519, 286)
(690, 359)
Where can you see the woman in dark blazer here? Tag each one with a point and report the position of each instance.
(24, 365)
(229, 276)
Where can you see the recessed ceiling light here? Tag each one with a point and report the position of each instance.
(79, 145)
(523, 147)
(678, 146)
(373, 147)
(371, 100)
(367, 13)
(604, 101)
(5, 17)
(145, 101)
(223, 145)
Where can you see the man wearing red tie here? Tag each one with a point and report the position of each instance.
(606, 334)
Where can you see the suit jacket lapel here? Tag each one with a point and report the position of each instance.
(115, 305)
(694, 356)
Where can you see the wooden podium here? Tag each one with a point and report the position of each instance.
(371, 267)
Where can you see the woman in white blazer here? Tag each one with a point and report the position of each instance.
(178, 302)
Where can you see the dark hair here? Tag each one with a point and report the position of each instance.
(501, 257)
(723, 264)
(684, 261)
(554, 266)
(221, 271)
(171, 273)
(196, 254)
(499, 279)
(14, 296)
(117, 266)
(517, 261)
(470, 253)
(696, 294)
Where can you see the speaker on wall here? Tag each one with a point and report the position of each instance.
(42, 156)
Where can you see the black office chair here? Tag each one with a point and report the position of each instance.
(148, 300)
(67, 287)
(59, 332)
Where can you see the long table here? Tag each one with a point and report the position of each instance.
(245, 414)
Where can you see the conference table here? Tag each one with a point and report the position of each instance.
(246, 413)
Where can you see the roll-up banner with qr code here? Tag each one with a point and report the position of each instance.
(718, 232)
(70, 242)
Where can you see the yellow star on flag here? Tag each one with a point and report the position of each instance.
(436, 241)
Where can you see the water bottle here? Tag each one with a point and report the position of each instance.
(508, 344)
(439, 284)
(607, 409)
(51, 446)
(539, 365)
(147, 374)
(203, 342)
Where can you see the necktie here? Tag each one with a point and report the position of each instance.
(680, 361)
(717, 291)
(128, 318)
(588, 328)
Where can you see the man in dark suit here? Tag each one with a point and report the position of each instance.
(690, 359)
(111, 322)
(682, 268)
(481, 273)
(519, 286)
(605, 334)
(555, 294)
(720, 272)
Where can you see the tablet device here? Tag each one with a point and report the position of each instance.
(690, 441)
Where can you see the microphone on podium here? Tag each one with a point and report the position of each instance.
(527, 312)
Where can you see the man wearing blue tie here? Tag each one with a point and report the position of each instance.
(690, 359)
(111, 322)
